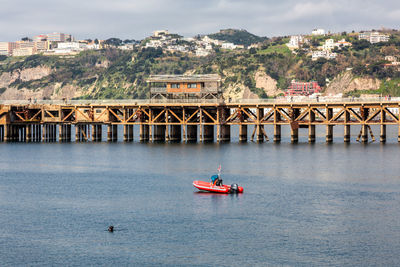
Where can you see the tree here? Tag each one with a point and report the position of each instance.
(26, 39)
(96, 41)
(252, 51)
(361, 44)
(113, 42)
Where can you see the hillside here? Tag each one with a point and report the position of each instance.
(258, 72)
(237, 37)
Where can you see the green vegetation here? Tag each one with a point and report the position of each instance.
(113, 73)
(237, 37)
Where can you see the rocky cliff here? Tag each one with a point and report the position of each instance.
(347, 82)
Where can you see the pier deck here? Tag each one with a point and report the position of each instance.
(50, 121)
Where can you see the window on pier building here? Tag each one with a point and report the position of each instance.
(192, 85)
(175, 85)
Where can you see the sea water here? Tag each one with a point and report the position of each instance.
(303, 205)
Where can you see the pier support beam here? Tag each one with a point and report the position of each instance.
(364, 127)
(260, 127)
(128, 133)
(77, 133)
(311, 127)
(109, 133)
(294, 128)
(225, 131)
(364, 133)
(329, 128)
(45, 133)
(144, 133)
(277, 127)
(6, 133)
(383, 133)
(383, 127)
(242, 133)
(347, 132)
(28, 132)
(61, 133)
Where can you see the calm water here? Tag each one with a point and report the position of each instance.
(304, 205)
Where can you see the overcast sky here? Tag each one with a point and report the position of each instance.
(136, 19)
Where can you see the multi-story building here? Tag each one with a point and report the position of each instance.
(4, 49)
(23, 51)
(328, 45)
(295, 42)
(40, 38)
(373, 37)
(303, 88)
(69, 47)
(318, 32)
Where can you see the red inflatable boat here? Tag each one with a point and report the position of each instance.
(224, 189)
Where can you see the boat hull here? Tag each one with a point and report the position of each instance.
(209, 187)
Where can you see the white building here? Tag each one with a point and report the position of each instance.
(228, 46)
(154, 44)
(295, 41)
(343, 43)
(318, 32)
(72, 45)
(208, 40)
(324, 54)
(126, 47)
(160, 33)
(4, 51)
(328, 45)
(373, 37)
(25, 51)
(201, 52)
(69, 47)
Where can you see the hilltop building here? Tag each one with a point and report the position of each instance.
(206, 86)
(373, 37)
(160, 33)
(318, 32)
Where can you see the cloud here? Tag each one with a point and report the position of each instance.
(137, 18)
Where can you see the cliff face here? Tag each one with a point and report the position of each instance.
(346, 82)
(266, 83)
(51, 91)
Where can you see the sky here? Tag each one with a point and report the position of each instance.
(137, 19)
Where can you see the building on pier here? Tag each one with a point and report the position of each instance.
(207, 86)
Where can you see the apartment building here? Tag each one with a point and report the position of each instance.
(373, 37)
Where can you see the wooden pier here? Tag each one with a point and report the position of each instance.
(203, 121)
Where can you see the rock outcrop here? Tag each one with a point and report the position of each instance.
(266, 83)
(346, 82)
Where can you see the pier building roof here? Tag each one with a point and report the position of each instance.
(185, 78)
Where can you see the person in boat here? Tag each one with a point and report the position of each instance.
(216, 180)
